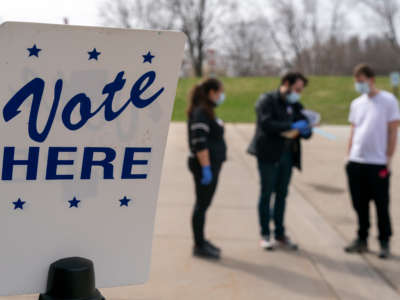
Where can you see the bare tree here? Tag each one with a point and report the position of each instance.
(198, 19)
(300, 31)
(387, 13)
(294, 28)
(136, 13)
(248, 51)
(290, 30)
(193, 18)
(327, 49)
(117, 13)
(308, 35)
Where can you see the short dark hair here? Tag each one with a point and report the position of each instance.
(292, 78)
(364, 69)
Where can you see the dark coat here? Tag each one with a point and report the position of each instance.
(206, 133)
(275, 116)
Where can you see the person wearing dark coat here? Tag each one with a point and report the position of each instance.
(207, 154)
(280, 127)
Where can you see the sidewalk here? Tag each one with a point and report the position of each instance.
(319, 217)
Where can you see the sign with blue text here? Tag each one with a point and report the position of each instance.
(84, 118)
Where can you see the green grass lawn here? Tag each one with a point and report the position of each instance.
(330, 96)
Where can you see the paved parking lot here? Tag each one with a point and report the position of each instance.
(319, 217)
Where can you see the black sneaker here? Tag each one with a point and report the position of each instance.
(384, 251)
(357, 246)
(286, 243)
(206, 252)
(212, 246)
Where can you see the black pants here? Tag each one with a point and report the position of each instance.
(204, 196)
(274, 178)
(370, 182)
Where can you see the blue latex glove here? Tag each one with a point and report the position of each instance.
(300, 125)
(207, 175)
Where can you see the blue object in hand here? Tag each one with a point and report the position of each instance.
(300, 125)
(207, 175)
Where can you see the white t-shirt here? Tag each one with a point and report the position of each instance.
(370, 117)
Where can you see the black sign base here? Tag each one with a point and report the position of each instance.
(71, 279)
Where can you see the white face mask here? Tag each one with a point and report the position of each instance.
(362, 87)
(221, 99)
(293, 97)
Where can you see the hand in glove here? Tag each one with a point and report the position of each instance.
(305, 132)
(206, 175)
(300, 125)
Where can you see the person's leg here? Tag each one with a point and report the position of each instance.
(360, 196)
(216, 169)
(197, 215)
(281, 189)
(204, 195)
(380, 182)
(267, 173)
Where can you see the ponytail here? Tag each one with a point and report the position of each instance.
(199, 96)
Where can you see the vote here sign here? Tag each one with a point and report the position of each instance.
(84, 117)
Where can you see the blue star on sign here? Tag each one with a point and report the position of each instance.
(74, 202)
(125, 201)
(94, 54)
(19, 204)
(148, 57)
(34, 51)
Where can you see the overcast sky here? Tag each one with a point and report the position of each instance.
(86, 12)
(79, 12)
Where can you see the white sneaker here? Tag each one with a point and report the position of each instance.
(267, 243)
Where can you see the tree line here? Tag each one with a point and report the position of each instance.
(268, 37)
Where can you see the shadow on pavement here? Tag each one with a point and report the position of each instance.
(290, 280)
(393, 257)
(357, 269)
(296, 282)
(327, 189)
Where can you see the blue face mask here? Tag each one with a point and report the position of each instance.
(293, 97)
(221, 99)
(362, 87)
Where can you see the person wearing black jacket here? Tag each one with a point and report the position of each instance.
(276, 144)
(207, 154)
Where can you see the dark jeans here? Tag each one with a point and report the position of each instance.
(367, 182)
(274, 177)
(204, 196)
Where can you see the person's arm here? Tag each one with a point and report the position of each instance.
(204, 157)
(267, 120)
(393, 123)
(200, 128)
(392, 141)
(307, 133)
(352, 121)
(350, 144)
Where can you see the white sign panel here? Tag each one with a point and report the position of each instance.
(84, 117)
(395, 79)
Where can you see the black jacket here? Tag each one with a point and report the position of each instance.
(206, 133)
(275, 116)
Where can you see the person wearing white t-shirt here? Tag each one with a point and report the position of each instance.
(374, 118)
